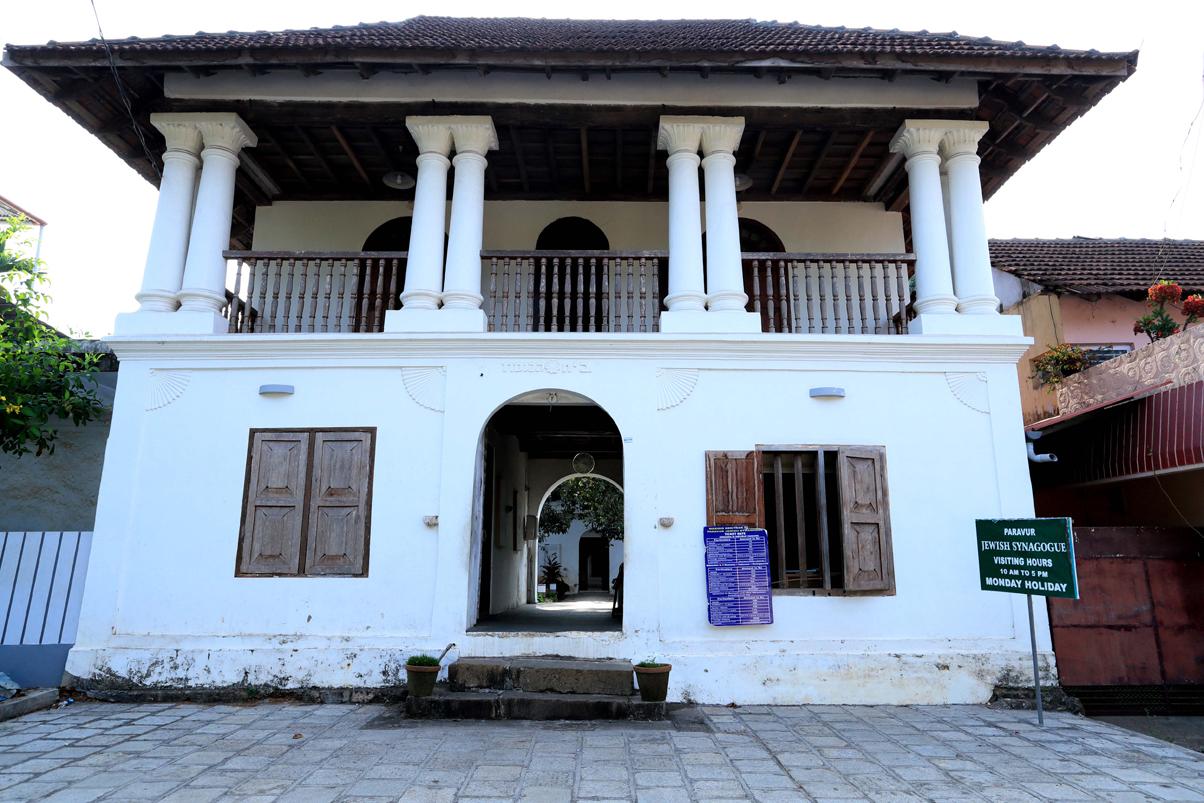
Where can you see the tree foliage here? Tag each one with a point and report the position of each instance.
(595, 502)
(43, 378)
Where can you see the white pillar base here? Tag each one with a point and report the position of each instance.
(978, 305)
(180, 322)
(955, 324)
(448, 319)
(697, 322)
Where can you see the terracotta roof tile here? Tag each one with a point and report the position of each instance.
(1090, 265)
(513, 34)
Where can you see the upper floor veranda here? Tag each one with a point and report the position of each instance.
(443, 176)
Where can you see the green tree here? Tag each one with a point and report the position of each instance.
(43, 377)
(594, 501)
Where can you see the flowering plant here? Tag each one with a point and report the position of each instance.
(1162, 296)
(1058, 363)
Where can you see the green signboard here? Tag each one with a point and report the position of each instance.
(1027, 556)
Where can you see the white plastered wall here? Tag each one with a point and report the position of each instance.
(163, 607)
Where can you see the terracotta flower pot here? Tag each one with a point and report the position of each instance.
(420, 680)
(653, 682)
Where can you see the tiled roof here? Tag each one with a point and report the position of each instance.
(1090, 265)
(516, 34)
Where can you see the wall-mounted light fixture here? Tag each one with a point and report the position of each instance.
(665, 521)
(276, 390)
(826, 393)
(430, 521)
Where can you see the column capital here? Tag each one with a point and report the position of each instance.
(431, 134)
(721, 134)
(679, 135)
(224, 130)
(474, 134)
(181, 134)
(961, 139)
(918, 137)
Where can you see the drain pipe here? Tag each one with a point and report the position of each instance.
(446, 650)
(1033, 457)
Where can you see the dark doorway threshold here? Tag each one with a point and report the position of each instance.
(588, 611)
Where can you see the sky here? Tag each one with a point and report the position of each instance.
(1128, 168)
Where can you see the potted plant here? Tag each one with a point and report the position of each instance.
(421, 673)
(552, 575)
(653, 679)
(1058, 363)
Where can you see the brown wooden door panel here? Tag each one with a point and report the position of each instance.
(868, 554)
(338, 506)
(270, 542)
(733, 489)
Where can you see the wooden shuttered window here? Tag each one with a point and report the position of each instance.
(733, 489)
(825, 508)
(307, 504)
(868, 555)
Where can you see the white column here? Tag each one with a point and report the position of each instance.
(164, 271)
(725, 274)
(681, 136)
(971, 258)
(473, 137)
(204, 290)
(918, 140)
(424, 268)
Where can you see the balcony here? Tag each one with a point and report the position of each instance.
(279, 292)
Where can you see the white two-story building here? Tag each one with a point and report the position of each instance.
(405, 278)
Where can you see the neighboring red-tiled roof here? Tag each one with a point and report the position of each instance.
(7, 208)
(516, 34)
(1090, 265)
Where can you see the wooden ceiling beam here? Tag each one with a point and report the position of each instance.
(618, 158)
(652, 160)
(390, 154)
(553, 167)
(777, 181)
(518, 158)
(852, 162)
(819, 160)
(585, 159)
(317, 153)
(347, 149)
(267, 138)
(888, 165)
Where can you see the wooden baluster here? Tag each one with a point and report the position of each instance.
(904, 296)
(248, 312)
(876, 309)
(568, 294)
(608, 265)
(811, 290)
(392, 301)
(827, 303)
(853, 279)
(516, 319)
(315, 306)
(529, 271)
(283, 325)
(491, 306)
(555, 294)
(796, 298)
(351, 271)
(643, 309)
(770, 298)
(630, 296)
(784, 322)
(541, 324)
(656, 294)
(756, 288)
(592, 298)
(271, 296)
(504, 323)
(365, 297)
(580, 294)
(299, 324)
(863, 275)
(378, 299)
(325, 278)
(232, 310)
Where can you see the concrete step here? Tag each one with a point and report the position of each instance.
(542, 674)
(531, 706)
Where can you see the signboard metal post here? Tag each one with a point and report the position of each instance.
(1028, 556)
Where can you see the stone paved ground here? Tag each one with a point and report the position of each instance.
(280, 751)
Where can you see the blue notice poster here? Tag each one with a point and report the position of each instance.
(737, 563)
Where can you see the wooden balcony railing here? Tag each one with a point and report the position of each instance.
(566, 291)
(313, 291)
(841, 294)
(574, 291)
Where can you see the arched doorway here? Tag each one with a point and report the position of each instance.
(580, 520)
(572, 234)
(533, 449)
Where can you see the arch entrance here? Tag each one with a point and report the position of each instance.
(549, 518)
